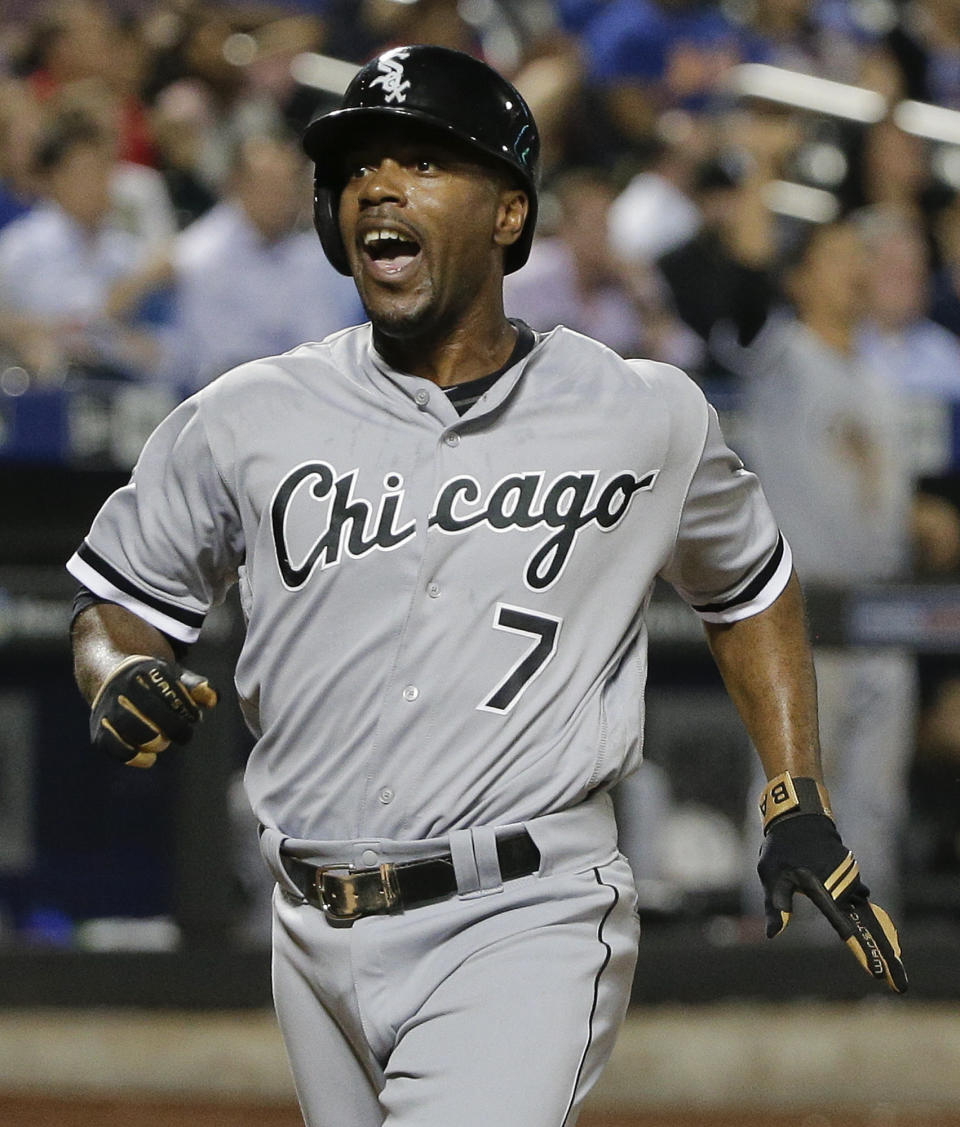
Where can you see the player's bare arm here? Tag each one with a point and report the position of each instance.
(106, 634)
(767, 666)
(141, 700)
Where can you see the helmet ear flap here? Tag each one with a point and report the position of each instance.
(326, 220)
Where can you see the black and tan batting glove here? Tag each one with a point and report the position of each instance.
(802, 852)
(144, 705)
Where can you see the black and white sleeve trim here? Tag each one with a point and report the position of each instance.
(757, 593)
(104, 580)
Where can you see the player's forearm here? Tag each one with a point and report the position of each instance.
(767, 667)
(103, 636)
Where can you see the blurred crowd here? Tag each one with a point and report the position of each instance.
(154, 207)
(795, 247)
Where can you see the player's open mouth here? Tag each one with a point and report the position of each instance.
(389, 253)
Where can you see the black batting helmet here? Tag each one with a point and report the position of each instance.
(455, 93)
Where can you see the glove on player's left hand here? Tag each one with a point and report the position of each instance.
(144, 705)
(803, 852)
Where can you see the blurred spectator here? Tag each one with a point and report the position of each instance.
(650, 55)
(75, 41)
(180, 122)
(823, 427)
(924, 45)
(824, 432)
(830, 38)
(345, 33)
(139, 199)
(919, 357)
(921, 362)
(58, 261)
(21, 121)
(83, 58)
(552, 84)
(69, 40)
(208, 48)
(655, 212)
(945, 301)
(424, 21)
(125, 74)
(268, 77)
(722, 274)
(892, 169)
(574, 277)
(248, 279)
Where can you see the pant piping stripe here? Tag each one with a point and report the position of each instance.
(608, 954)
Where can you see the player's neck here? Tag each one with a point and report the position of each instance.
(465, 351)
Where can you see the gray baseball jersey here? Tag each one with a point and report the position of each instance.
(445, 643)
(445, 614)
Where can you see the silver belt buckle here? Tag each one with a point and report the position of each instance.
(346, 893)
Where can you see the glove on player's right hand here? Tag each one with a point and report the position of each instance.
(804, 853)
(144, 704)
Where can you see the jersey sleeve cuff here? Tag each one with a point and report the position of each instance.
(105, 581)
(758, 593)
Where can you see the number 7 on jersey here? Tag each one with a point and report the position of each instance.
(544, 629)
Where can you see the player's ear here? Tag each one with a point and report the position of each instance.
(512, 213)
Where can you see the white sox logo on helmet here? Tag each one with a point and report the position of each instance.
(517, 502)
(391, 79)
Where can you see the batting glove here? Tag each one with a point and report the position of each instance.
(802, 852)
(144, 705)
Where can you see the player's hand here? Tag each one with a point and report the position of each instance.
(144, 705)
(803, 852)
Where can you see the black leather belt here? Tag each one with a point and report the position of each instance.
(345, 893)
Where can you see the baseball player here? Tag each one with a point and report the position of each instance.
(445, 529)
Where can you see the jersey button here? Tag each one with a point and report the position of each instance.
(386, 796)
(451, 438)
(422, 398)
(433, 590)
(369, 858)
(411, 692)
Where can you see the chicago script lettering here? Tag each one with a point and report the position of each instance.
(567, 504)
(512, 504)
(345, 515)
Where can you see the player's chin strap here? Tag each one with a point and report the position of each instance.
(802, 852)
